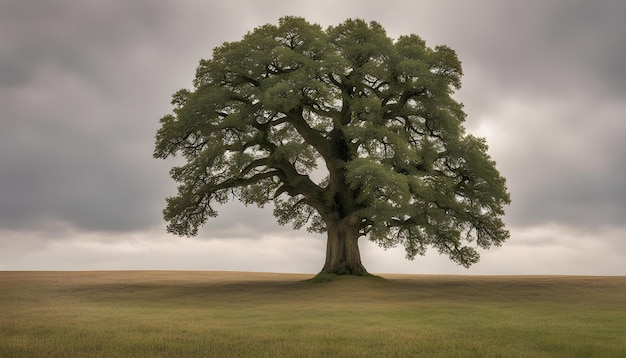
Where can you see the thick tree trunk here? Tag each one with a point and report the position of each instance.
(342, 249)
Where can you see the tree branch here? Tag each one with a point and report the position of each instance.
(295, 183)
(254, 164)
(237, 182)
(310, 135)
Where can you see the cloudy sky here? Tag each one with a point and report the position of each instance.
(84, 83)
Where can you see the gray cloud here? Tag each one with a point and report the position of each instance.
(82, 86)
(78, 116)
(543, 77)
(543, 48)
(561, 168)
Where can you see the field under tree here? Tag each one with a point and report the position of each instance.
(234, 314)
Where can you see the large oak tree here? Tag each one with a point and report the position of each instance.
(372, 115)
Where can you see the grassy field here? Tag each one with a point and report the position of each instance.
(228, 314)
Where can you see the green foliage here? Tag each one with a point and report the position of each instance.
(378, 112)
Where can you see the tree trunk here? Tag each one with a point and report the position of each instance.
(342, 248)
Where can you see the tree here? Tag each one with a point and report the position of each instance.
(375, 114)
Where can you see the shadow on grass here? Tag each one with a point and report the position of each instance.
(328, 277)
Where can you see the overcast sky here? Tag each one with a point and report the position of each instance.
(83, 85)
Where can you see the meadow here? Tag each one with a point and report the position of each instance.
(236, 314)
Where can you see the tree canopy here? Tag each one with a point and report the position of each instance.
(346, 131)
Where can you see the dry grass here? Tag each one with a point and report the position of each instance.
(176, 313)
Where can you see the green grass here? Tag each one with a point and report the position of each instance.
(222, 314)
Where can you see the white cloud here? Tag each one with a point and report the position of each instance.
(155, 250)
(549, 249)
(546, 249)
